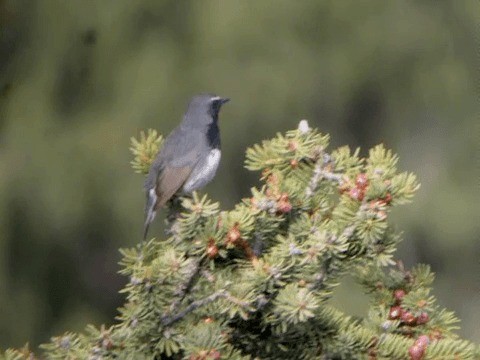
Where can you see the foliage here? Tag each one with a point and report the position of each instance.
(73, 92)
(144, 150)
(253, 282)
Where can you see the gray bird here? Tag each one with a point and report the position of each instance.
(189, 157)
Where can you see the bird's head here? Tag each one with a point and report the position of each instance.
(204, 108)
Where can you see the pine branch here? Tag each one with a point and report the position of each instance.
(185, 287)
(169, 320)
(254, 281)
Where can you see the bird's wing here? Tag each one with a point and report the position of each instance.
(178, 151)
(169, 182)
(171, 168)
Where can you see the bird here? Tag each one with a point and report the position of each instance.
(189, 157)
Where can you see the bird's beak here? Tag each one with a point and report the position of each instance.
(224, 100)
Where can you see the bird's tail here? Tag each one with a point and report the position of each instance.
(150, 211)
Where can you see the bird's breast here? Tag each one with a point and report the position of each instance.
(203, 172)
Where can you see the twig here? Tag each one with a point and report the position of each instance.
(331, 176)
(185, 287)
(249, 253)
(312, 185)
(322, 275)
(167, 321)
(320, 173)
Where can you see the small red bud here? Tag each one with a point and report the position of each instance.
(214, 355)
(422, 318)
(107, 344)
(423, 341)
(395, 312)
(284, 207)
(272, 179)
(416, 352)
(380, 203)
(388, 198)
(356, 194)
(361, 181)
(233, 234)
(294, 163)
(208, 320)
(292, 146)
(408, 318)
(398, 295)
(381, 215)
(283, 204)
(212, 249)
(201, 355)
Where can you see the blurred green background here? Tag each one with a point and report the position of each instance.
(78, 78)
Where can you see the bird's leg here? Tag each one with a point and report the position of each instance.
(175, 207)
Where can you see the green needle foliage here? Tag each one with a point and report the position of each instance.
(253, 282)
(144, 150)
